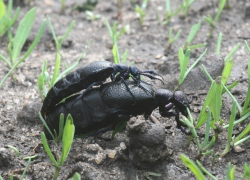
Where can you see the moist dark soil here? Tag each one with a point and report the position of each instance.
(144, 146)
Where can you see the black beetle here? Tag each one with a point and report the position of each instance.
(111, 104)
(93, 75)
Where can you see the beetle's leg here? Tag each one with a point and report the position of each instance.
(152, 77)
(152, 72)
(93, 84)
(138, 84)
(129, 90)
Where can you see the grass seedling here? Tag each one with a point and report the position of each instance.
(6, 20)
(44, 78)
(193, 31)
(67, 140)
(183, 59)
(230, 172)
(212, 22)
(91, 16)
(114, 34)
(218, 44)
(148, 174)
(186, 5)
(15, 149)
(116, 55)
(17, 43)
(169, 12)
(232, 52)
(172, 39)
(76, 176)
(192, 166)
(246, 172)
(141, 10)
(205, 145)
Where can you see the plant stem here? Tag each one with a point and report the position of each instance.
(56, 173)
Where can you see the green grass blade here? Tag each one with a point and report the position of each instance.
(204, 144)
(124, 57)
(115, 52)
(235, 83)
(205, 171)
(242, 134)
(248, 49)
(221, 6)
(194, 29)
(210, 20)
(208, 75)
(22, 33)
(247, 100)
(25, 170)
(53, 33)
(15, 149)
(214, 101)
(196, 46)
(76, 176)
(57, 68)
(67, 140)
(66, 34)
(230, 130)
(168, 7)
(46, 126)
(2, 9)
(226, 71)
(219, 44)
(232, 52)
(61, 125)
(47, 149)
(192, 166)
(5, 60)
(195, 63)
(183, 66)
(110, 30)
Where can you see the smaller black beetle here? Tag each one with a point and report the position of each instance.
(111, 104)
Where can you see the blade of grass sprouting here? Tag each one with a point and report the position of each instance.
(116, 52)
(176, 36)
(47, 149)
(67, 140)
(122, 31)
(215, 155)
(110, 30)
(194, 29)
(247, 100)
(207, 152)
(205, 171)
(194, 64)
(57, 68)
(210, 20)
(219, 44)
(33, 45)
(168, 7)
(210, 143)
(22, 33)
(190, 116)
(239, 120)
(181, 58)
(241, 140)
(14, 17)
(242, 134)
(15, 149)
(230, 130)
(76, 176)
(124, 57)
(230, 86)
(221, 6)
(213, 100)
(192, 166)
(53, 32)
(196, 46)
(184, 120)
(3, 9)
(170, 35)
(248, 49)
(26, 168)
(61, 125)
(226, 71)
(184, 66)
(46, 126)
(208, 75)
(10, 6)
(204, 144)
(5, 60)
(229, 93)
(67, 33)
(232, 52)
